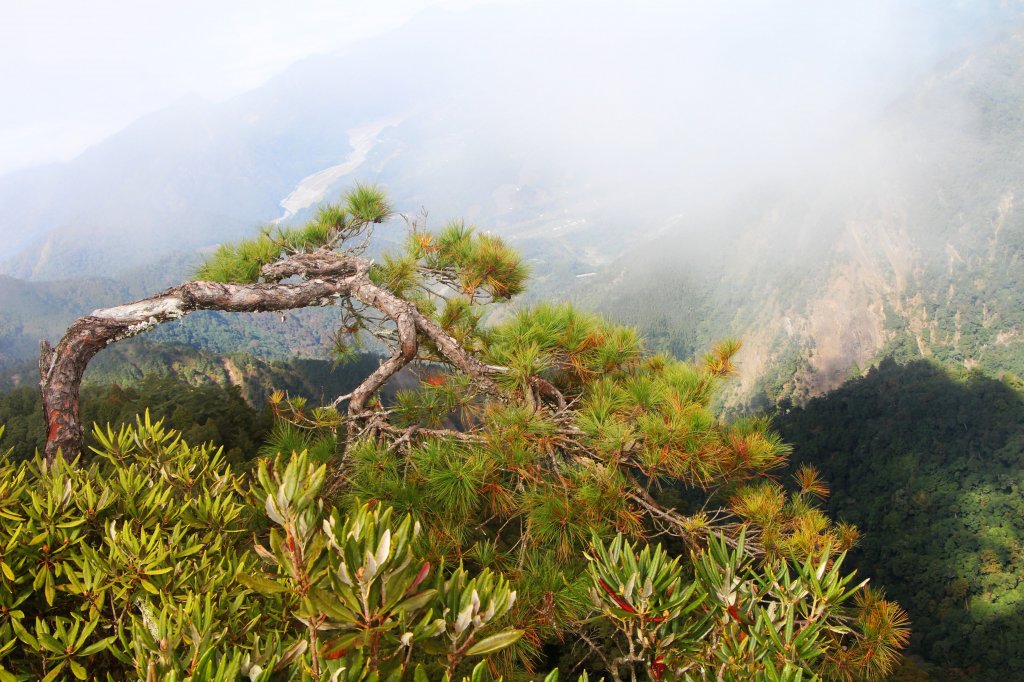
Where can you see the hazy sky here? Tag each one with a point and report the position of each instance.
(75, 71)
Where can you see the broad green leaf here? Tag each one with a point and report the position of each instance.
(261, 584)
(78, 670)
(416, 601)
(96, 647)
(494, 643)
(50, 644)
(52, 675)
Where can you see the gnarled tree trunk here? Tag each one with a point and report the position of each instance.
(326, 276)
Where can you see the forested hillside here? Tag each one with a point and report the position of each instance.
(209, 398)
(254, 377)
(36, 310)
(203, 414)
(929, 464)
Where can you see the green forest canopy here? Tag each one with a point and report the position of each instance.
(929, 464)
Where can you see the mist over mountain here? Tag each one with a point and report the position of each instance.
(755, 191)
(907, 244)
(526, 118)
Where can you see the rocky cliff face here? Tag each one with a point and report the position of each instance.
(888, 289)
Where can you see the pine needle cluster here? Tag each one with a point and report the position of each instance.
(333, 226)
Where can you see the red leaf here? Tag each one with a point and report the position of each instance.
(336, 654)
(736, 615)
(420, 577)
(623, 604)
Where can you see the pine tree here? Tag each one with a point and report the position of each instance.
(527, 445)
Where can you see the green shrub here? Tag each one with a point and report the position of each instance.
(157, 562)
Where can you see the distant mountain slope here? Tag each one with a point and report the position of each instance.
(599, 136)
(129, 362)
(32, 311)
(198, 173)
(910, 243)
(574, 122)
(35, 310)
(175, 180)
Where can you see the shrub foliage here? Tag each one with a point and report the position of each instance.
(156, 561)
(488, 521)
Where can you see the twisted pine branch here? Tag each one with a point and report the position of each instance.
(327, 276)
